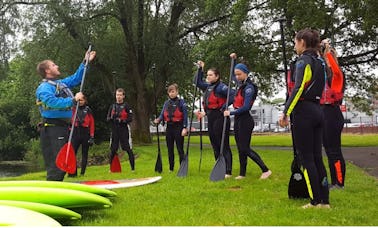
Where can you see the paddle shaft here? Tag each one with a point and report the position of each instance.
(158, 164)
(77, 104)
(227, 100)
(156, 109)
(200, 130)
(283, 43)
(191, 117)
(183, 171)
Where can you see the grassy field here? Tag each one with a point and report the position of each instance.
(196, 201)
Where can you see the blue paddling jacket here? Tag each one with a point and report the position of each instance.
(55, 98)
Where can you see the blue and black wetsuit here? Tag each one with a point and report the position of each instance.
(56, 101)
(175, 115)
(214, 103)
(244, 124)
(308, 121)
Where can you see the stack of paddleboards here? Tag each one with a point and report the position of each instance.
(42, 203)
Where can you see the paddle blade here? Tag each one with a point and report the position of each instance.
(159, 164)
(219, 169)
(66, 159)
(115, 166)
(183, 171)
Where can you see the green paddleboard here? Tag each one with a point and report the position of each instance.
(15, 216)
(66, 198)
(54, 212)
(59, 184)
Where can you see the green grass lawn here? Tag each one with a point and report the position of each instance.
(196, 201)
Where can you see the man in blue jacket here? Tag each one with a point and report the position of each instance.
(55, 101)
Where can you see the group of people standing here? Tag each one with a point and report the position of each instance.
(215, 92)
(315, 90)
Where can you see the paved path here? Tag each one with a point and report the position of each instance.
(364, 157)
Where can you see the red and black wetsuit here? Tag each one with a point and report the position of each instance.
(214, 103)
(84, 130)
(175, 115)
(244, 124)
(120, 115)
(308, 121)
(333, 121)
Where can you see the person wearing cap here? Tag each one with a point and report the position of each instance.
(244, 123)
(214, 102)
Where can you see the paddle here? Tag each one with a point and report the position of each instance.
(115, 164)
(219, 169)
(200, 132)
(158, 164)
(66, 158)
(183, 171)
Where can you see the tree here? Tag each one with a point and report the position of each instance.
(131, 35)
(352, 28)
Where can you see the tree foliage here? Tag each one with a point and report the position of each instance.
(130, 36)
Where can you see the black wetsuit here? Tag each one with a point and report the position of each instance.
(308, 121)
(120, 115)
(215, 95)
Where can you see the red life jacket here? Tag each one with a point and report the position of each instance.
(84, 118)
(172, 112)
(119, 113)
(211, 100)
(333, 92)
(239, 98)
(290, 82)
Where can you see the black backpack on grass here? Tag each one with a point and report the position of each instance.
(297, 184)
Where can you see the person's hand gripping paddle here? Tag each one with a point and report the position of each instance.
(66, 158)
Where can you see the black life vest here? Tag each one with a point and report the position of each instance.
(239, 97)
(173, 112)
(312, 89)
(211, 100)
(81, 115)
